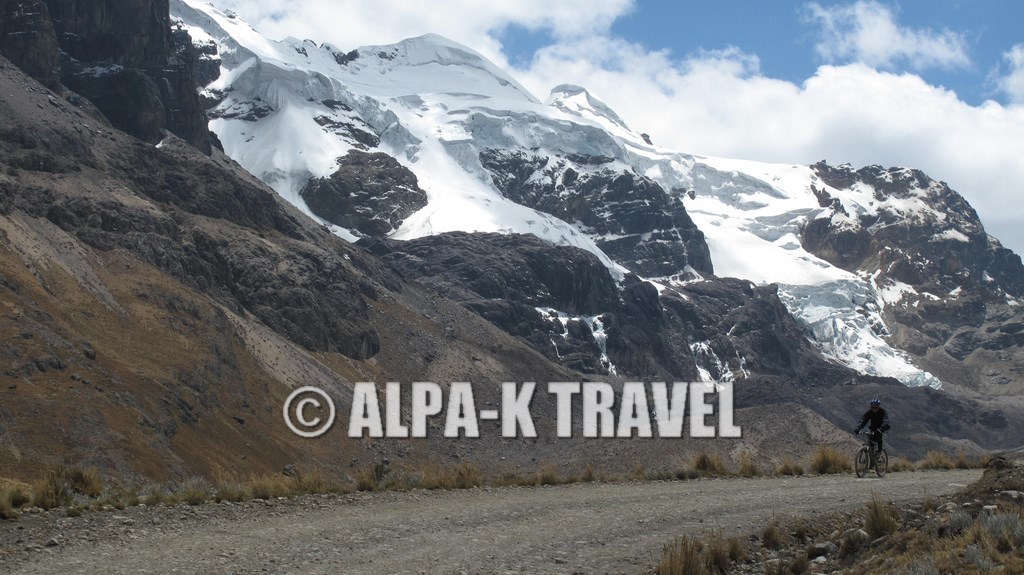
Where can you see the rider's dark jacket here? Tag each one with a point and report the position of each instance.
(875, 420)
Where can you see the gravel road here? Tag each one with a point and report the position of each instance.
(581, 528)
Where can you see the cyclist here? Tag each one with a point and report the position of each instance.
(877, 421)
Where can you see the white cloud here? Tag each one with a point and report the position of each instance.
(1012, 82)
(867, 32)
(352, 23)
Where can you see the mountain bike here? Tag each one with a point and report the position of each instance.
(870, 458)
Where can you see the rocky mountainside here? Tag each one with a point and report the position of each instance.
(121, 55)
(853, 252)
(411, 213)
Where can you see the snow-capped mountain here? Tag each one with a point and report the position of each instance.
(870, 261)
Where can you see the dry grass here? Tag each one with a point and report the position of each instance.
(58, 486)
(789, 467)
(53, 490)
(462, 476)
(155, 495)
(828, 460)
(936, 460)
(721, 553)
(547, 475)
(194, 491)
(6, 509)
(587, 475)
(269, 486)
(682, 557)
(686, 473)
(86, 481)
(901, 463)
(313, 481)
(771, 536)
(748, 468)
(227, 487)
(709, 464)
(880, 519)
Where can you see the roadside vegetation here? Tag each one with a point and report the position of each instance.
(77, 489)
(980, 530)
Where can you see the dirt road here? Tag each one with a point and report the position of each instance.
(582, 528)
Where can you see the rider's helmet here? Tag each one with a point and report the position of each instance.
(875, 402)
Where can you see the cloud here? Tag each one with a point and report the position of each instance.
(1011, 83)
(352, 23)
(867, 32)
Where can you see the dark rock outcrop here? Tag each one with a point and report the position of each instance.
(28, 39)
(369, 193)
(120, 54)
(629, 216)
(925, 235)
(565, 303)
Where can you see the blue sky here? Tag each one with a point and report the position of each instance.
(936, 85)
(783, 35)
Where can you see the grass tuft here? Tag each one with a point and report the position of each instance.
(709, 464)
(936, 460)
(748, 467)
(880, 519)
(789, 467)
(771, 536)
(682, 557)
(194, 492)
(828, 460)
(53, 490)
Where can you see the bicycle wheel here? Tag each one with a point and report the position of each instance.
(881, 462)
(861, 462)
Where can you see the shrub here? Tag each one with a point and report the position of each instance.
(1006, 531)
(800, 564)
(156, 496)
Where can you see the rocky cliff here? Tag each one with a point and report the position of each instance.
(119, 54)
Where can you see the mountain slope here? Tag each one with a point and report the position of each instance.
(482, 148)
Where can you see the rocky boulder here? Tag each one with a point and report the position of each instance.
(369, 193)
